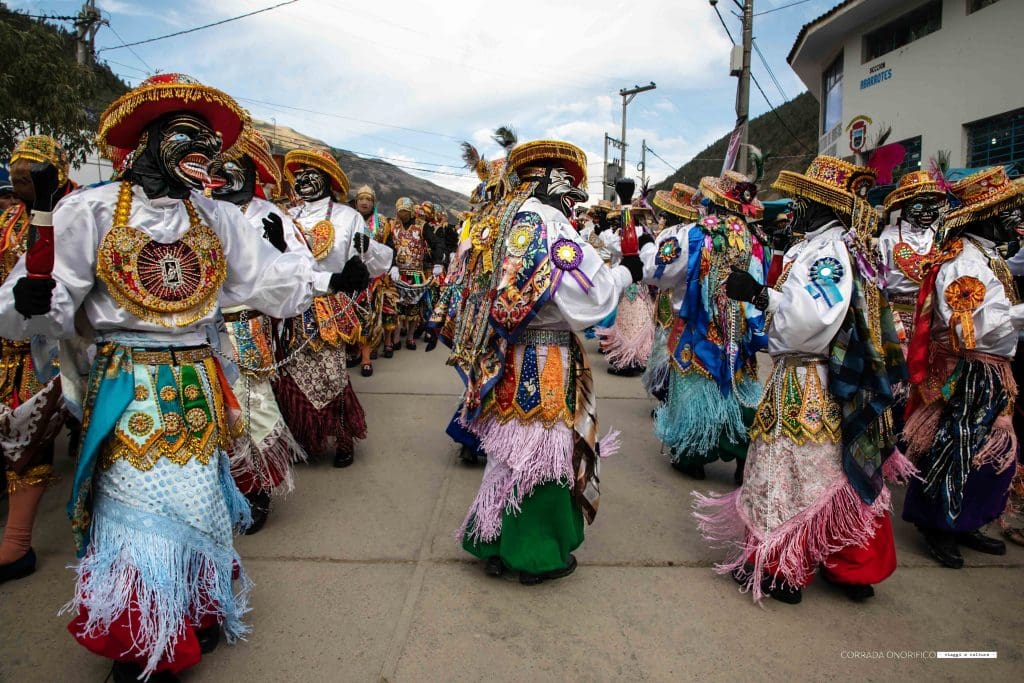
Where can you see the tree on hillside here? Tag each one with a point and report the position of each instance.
(44, 91)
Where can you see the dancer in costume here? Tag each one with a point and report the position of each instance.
(713, 344)
(679, 208)
(145, 261)
(813, 493)
(31, 409)
(261, 459)
(313, 390)
(413, 261)
(627, 343)
(959, 428)
(372, 310)
(531, 403)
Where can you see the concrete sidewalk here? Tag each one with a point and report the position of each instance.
(358, 578)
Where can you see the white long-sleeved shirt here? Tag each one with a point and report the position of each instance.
(673, 274)
(921, 241)
(257, 275)
(347, 222)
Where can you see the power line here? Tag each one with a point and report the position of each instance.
(198, 28)
(771, 74)
(781, 7)
(779, 116)
(151, 70)
(655, 154)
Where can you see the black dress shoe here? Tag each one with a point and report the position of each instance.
(858, 592)
(627, 371)
(468, 456)
(694, 470)
(528, 579)
(259, 504)
(783, 592)
(737, 475)
(129, 672)
(943, 547)
(388, 351)
(344, 458)
(367, 370)
(20, 568)
(494, 566)
(975, 540)
(209, 639)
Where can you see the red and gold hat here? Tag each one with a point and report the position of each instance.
(829, 181)
(913, 184)
(320, 160)
(404, 204)
(43, 149)
(734, 191)
(984, 194)
(678, 201)
(539, 152)
(255, 146)
(122, 123)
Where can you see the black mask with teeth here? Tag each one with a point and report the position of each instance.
(174, 156)
(808, 216)
(557, 189)
(311, 184)
(922, 212)
(238, 177)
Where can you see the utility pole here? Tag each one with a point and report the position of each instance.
(604, 169)
(743, 89)
(86, 25)
(643, 164)
(627, 96)
(607, 192)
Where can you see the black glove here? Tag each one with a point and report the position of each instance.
(47, 186)
(602, 223)
(430, 338)
(273, 232)
(32, 296)
(353, 278)
(781, 240)
(635, 267)
(644, 239)
(742, 286)
(360, 242)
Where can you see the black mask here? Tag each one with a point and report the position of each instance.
(557, 190)
(808, 216)
(1004, 227)
(1012, 220)
(922, 212)
(238, 177)
(175, 158)
(311, 184)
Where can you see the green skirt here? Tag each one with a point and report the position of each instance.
(538, 539)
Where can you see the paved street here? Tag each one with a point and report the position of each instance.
(358, 578)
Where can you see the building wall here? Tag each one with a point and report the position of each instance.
(969, 69)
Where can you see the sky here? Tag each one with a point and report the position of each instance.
(408, 81)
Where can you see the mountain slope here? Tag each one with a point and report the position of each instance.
(387, 180)
(770, 135)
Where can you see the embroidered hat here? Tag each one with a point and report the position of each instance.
(320, 160)
(567, 155)
(984, 194)
(829, 181)
(366, 191)
(678, 201)
(914, 184)
(122, 123)
(253, 145)
(734, 191)
(404, 204)
(43, 149)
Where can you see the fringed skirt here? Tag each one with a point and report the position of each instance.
(796, 511)
(656, 376)
(160, 562)
(629, 341)
(318, 403)
(262, 457)
(966, 447)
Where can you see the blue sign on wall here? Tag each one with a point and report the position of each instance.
(875, 79)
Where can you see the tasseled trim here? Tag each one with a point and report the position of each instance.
(267, 466)
(656, 376)
(794, 549)
(695, 415)
(920, 430)
(173, 575)
(610, 444)
(342, 418)
(899, 469)
(519, 458)
(1000, 449)
(239, 510)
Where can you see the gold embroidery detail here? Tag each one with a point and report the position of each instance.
(196, 419)
(140, 424)
(964, 295)
(191, 392)
(38, 475)
(321, 239)
(172, 423)
(168, 393)
(808, 412)
(141, 392)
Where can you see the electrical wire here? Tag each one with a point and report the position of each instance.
(771, 74)
(197, 28)
(151, 70)
(781, 7)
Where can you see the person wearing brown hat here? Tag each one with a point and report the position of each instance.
(813, 496)
(372, 331)
(145, 262)
(262, 456)
(313, 389)
(714, 341)
(959, 427)
(413, 269)
(31, 409)
(531, 403)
